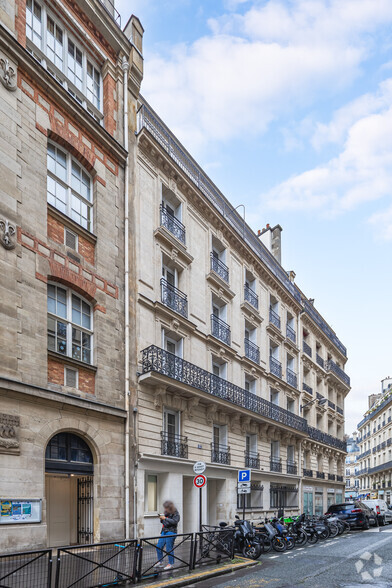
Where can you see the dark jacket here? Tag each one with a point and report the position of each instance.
(171, 521)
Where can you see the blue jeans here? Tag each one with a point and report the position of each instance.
(167, 539)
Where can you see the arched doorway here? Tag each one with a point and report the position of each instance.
(69, 469)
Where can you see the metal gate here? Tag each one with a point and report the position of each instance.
(85, 510)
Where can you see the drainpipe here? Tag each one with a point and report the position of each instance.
(299, 336)
(125, 69)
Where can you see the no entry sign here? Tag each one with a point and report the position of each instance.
(199, 481)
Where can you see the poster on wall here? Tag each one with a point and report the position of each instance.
(20, 511)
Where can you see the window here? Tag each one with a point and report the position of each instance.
(274, 397)
(70, 377)
(254, 499)
(69, 186)
(152, 494)
(250, 384)
(171, 423)
(291, 454)
(69, 324)
(65, 59)
(290, 405)
(71, 239)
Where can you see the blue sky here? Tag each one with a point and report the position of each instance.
(287, 104)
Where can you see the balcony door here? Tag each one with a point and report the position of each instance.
(171, 424)
(170, 275)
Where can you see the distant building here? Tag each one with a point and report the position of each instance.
(352, 468)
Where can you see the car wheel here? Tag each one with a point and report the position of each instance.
(366, 524)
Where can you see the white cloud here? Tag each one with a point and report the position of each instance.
(255, 67)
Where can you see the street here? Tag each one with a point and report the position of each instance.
(357, 559)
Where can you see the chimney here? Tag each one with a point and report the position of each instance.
(271, 238)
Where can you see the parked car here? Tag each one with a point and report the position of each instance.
(356, 513)
(380, 507)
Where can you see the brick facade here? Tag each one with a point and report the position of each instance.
(86, 377)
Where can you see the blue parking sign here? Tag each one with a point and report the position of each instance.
(244, 476)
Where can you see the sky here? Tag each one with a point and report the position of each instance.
(287, 105)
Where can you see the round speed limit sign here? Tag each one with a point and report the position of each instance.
(199, 481)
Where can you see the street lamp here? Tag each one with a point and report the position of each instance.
(320, 401)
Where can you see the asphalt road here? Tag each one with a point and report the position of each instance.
(358, 559)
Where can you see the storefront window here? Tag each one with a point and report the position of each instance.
(308, 503)
(318, 503)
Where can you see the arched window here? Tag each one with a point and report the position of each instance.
(69, 186)
(70, 329)
(68, 453)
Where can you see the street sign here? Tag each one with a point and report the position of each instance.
(243, 484)
(199, 467)
(199, 481)
(244, 476)
(245, 490)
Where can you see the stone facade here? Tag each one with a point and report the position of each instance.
(352, 467)
(232, 354)
(71, 388)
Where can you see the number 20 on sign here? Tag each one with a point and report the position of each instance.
(199, 481)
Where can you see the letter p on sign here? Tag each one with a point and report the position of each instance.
(244, 476)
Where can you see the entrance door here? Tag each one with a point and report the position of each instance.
(308, 503)
(60, 511)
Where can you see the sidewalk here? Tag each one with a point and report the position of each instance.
(237, 563)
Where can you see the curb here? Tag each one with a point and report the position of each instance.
(208, 574)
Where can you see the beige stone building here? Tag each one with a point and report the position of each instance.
(375, 441)
(237, 367)
(352, 466)
(65, 67)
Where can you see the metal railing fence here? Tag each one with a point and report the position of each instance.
(26, 569)
(156, 552)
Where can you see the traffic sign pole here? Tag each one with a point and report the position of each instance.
(200, 509)
(243, 507)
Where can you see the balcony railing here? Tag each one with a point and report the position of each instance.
(220, 454)
(291, 334)
(172, 224)
(308, 473)
(111, 9)
(174, 298)
(383, 466)
(331, 404)
(251, 297)
(220, 329)
(252, 460)
(275, 367)
(155, 359)
(320, 475)
(291, 377)
(319, 360)
(331, 477)
(252, 351)
(274, 318)
(321, 437)
(307, 388)
(219, 268)
(307, 348)
(149, 120)
(331, 366)
(275, 464)
(291, 468)
(174, 445)
(339, 410)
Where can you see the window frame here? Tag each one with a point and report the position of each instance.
(40, 53)
(67, 185)
(70, 324)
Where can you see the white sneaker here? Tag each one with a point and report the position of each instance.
(159, 564)
(168, 567)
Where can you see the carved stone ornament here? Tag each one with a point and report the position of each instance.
(7, 74)
(7, 233)
(9, 433)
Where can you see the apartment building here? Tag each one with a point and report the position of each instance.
(237, 367)
(65, 68)
(375, 442)
(352, 467)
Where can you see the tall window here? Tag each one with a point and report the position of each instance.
(65, 59)
(69, 324)
(69, 186)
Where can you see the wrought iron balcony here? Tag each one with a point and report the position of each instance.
(274, 318)
(319, 396)
(174, 445)
(219, 268)
(291, 334)
(275, 464)
(111, 9)
(320, 475)
(174, 298)
(291, 377)
(308, 473)
(252, 460)
(331, 477)
(331, 404)
(331, 366)
(220, 454)
(275, 367)
(307, 348)
(321, 437)
(291, 468)
(220, 329)
(319, 360)
(251, 297)
(172, 224)
(307, 388)
(149, 120)
(339, 410)
(155, 359)
(339, 478)
(252, 351)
